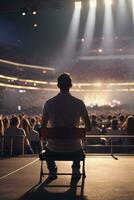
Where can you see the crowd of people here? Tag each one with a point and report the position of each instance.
(116, 70)
(102, 124)
(111, 124)
(22, 125)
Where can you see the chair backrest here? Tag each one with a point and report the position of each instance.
(62, 133)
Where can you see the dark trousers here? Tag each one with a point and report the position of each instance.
(51, 164)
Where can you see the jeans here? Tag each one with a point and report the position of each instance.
(51, 164)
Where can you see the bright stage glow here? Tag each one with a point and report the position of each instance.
(78, 4)
(98, 99)
(93, 3)
(95, 99)
(108, 2)
(98, 84)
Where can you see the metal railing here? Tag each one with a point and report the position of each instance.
(86, 144)
(11, 144)
(111, 144)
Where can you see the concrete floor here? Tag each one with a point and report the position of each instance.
(106, 179)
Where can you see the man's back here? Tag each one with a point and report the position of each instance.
(64, 110)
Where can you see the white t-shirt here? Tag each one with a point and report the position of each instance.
(64, 110)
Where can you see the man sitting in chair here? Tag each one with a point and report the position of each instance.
(64, 110)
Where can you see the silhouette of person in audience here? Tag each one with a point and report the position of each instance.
(14, 130)
(64, 110)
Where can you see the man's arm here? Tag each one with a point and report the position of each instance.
(45, 117)
(44, 122)
(85, 117)
(87, 122)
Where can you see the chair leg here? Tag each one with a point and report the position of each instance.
(83, 169)
(41, 172)
(83, 177)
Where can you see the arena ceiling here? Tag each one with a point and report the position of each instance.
(39, 39)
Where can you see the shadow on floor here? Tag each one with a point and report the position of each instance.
(40, 192)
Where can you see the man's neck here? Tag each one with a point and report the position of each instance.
(64, 91)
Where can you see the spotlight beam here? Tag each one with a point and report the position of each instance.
(90, 27)
(93, 3)
(78, 4)
(71, 41)
(108, 27)
(133, 10)
(122, 15)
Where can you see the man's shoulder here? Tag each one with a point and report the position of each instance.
(51, 100)
(57, 97)
(77, 100)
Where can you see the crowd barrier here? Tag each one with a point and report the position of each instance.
(125, 143)
(13, 144)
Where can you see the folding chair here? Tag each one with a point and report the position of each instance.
(66, 134)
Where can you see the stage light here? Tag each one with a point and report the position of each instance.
(108, 2)
(82, 40)
(44, 72)
(35, 25)
(22, 91)
(34, 12)
(92, 3)
(78, 4)
(19, 108)
(100, 50)
(118, 102)
(24, 11)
